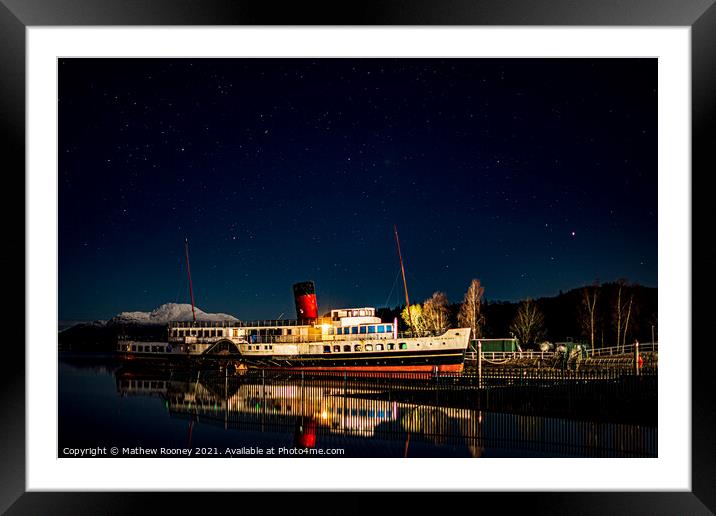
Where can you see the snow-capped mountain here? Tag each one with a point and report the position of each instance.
(166, 313)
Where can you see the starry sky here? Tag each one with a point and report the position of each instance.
(533, 175)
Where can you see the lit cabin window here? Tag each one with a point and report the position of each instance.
(403, 345)
(371, 329)
(362, 313)
(354, 330)
(357, 347)
(379, 347)
(363, 329)
(391, 345)
(336, 349)
(369, 347)
(389, 328)
(340, 331)
(381, 329)
(326, 349)
(346, 348)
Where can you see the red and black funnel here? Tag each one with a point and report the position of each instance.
(304, 294)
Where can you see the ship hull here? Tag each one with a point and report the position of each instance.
(406, 361)
(444, 360)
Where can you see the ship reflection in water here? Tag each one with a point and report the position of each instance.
(364, 418)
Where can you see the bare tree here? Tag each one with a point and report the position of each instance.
(528, 324)
(618, 309)
(625, 311)
(588, 312)
(435, 312)
(628, 310)
(470, 314)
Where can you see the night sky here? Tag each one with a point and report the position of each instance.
(533, 175)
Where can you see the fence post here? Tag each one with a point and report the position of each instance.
(636, 357)
(479, 364)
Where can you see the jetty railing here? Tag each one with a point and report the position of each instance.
(644, 347)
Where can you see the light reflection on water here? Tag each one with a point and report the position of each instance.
(102, 404)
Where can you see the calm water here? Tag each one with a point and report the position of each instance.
(103, 404)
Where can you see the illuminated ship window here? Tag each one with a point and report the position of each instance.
(340, 331)
(346, 348)
(391, 345)
(357, 347)
(381, 414)
(363, 329)
(369, 347)
(326, 349)
(389, 328)
(336, 349)
(403, 345)
(371, 329)
(362, 313)
(379, 347)
(354, 330)
(381, 329)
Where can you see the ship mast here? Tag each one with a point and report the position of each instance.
(188, 271)
(402, 270)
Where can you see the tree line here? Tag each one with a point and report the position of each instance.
(600, 315)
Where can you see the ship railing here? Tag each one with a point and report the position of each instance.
(242, 324)
(125, 339)
(196, 340)
(328, 338)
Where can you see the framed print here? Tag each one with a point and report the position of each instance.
(253, 242)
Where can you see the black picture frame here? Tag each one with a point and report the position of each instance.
(699, 15)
